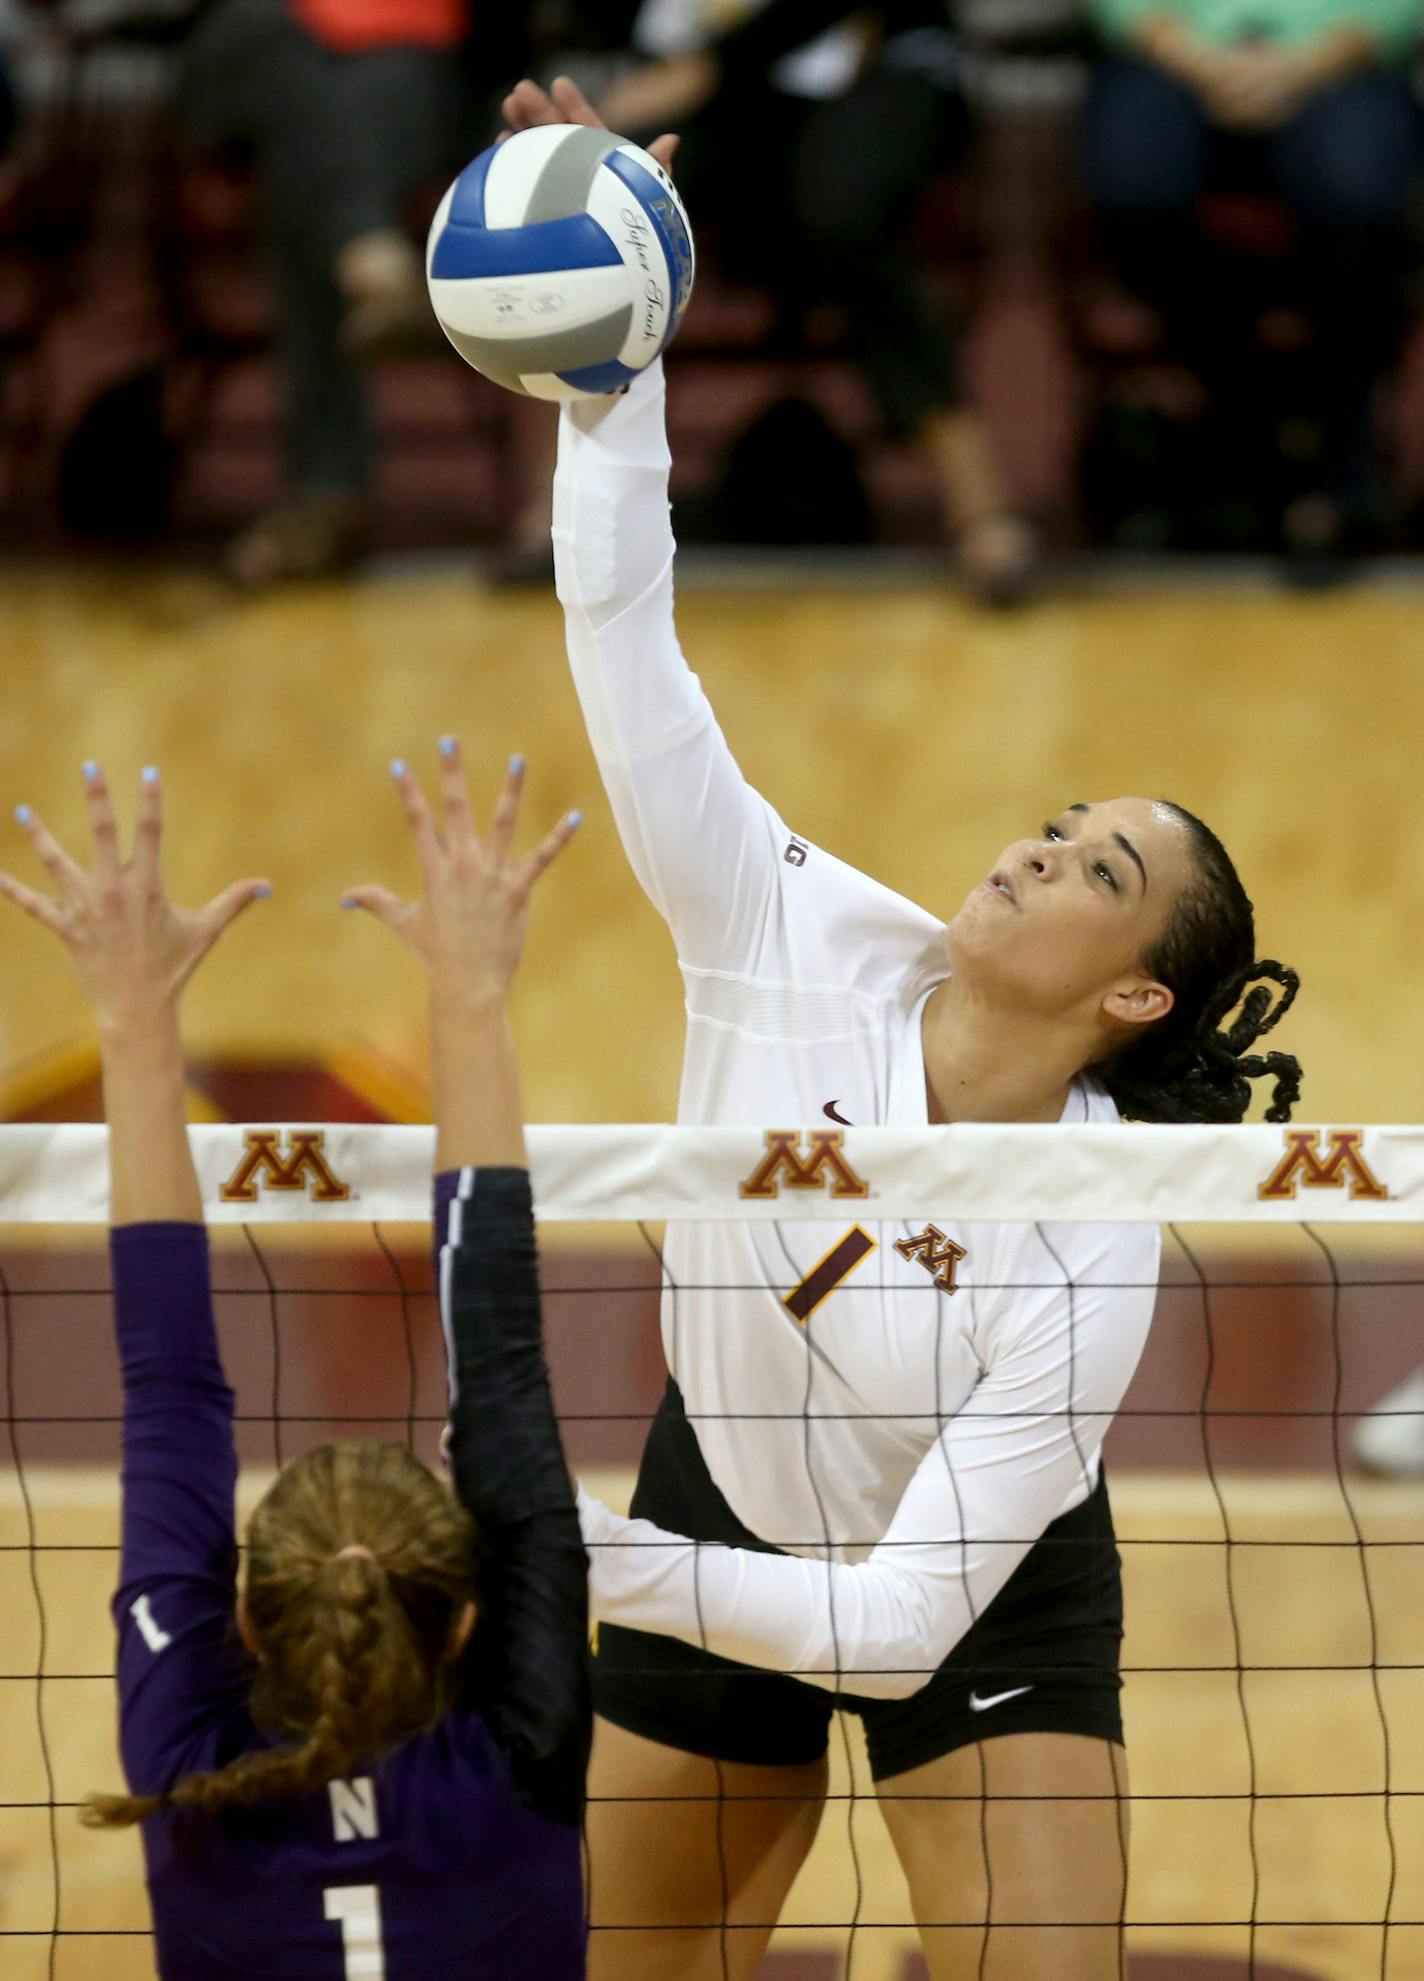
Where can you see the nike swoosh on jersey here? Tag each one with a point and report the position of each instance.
(978, 1705)
(829, 1110)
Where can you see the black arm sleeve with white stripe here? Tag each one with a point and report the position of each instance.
(527, 1665)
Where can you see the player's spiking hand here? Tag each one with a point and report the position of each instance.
(529, 105)
(132, 948)
(468, 926)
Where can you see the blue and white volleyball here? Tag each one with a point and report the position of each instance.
(560, 262)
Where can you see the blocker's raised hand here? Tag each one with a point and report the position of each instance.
(527, 106)
(468, 926)
(133, 949)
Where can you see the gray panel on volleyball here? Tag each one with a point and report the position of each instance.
(507, 360)
(562, 186)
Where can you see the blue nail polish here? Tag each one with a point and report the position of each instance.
(516, 766)
(91, 771)
(22, 813)
(261, 893)
(575, 818)
(447, 746)
(397, 766)
(149, 774)
(351, 904)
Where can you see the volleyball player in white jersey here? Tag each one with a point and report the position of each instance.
(922, 1444)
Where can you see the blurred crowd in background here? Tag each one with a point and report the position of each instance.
(1003, 276)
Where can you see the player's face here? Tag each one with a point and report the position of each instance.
(1063, 917)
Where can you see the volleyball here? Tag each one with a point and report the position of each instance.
(560, 262)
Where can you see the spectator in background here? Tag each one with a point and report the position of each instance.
(820, 125)
(349, 106)
(1315, 94)
(9, 109)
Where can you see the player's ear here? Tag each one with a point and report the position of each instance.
(1137, 1000)
(460, 1635)
(244, 1628)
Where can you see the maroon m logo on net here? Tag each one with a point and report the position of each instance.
(824, 1163)
(263, 1166)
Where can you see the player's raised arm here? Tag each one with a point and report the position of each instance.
(528, 1656)
(134, 951)
(703, 844)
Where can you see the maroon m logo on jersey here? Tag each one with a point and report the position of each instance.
(939, 1256)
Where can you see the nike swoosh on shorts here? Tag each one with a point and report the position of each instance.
(978, 1705)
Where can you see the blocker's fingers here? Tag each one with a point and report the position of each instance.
(380, 902)
(62, 870)
(664, 149)
(506, 811)
(572, 105)
(417, 812)
(227, 906)
(550, 847)
(101, 822)
(459, 819)
(148, 833)
(37, 905)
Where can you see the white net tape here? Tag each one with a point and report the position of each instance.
(652, 1172)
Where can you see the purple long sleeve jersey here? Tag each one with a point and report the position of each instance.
(459, 1854)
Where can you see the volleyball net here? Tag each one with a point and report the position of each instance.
(1274, 1656)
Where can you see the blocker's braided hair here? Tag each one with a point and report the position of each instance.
(355, 1646)
(1192, 1066)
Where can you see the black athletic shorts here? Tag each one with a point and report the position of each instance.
(1043, 1657)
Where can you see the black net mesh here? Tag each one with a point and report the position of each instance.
(1273, 1662)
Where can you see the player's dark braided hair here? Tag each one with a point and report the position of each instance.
(1192, 1066)
(360, 1564)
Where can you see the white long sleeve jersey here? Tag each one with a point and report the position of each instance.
(907, 1443)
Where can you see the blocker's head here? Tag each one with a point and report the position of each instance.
(358, 1600)
(359, 1590)
(1129, 914)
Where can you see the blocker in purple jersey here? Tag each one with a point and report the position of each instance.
(560, 262)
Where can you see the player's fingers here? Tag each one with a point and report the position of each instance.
(227, 906)
(62, 870)
(549, 848)
(506, 811)
(417, 812)
(380, 902)
(664, 149)
(573, 106)
(459, 819)
(527, 105)
(148, 832)
(37, 905)
(101, 822)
